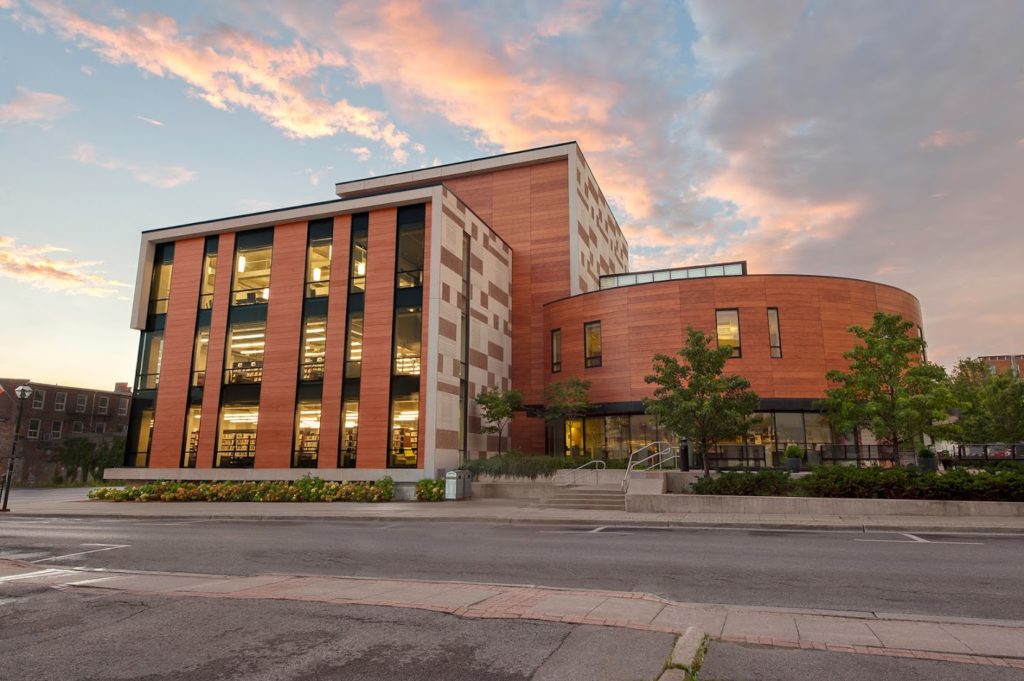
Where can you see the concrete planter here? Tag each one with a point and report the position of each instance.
(802, 506)
(792, 465)
(930, 464)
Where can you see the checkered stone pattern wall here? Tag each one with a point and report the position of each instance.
(489, 358)
(602, 247)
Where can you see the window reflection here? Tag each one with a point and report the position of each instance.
(208, 281)
(307, 434)
(199, 356)
(236, 436)
(408, 331)
(349, 433)
(192, 435)
(556, 351)
(354, 346)
(160, 291)
(246, 341)
(314, 348)
(728, 329)
(252, 275)
(143, 437)
(405, 421)
(592, 344)
(318, 266)
(152, 356)
(409, 260)
(774, 334)
(358, 270)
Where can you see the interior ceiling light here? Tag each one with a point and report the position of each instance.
(241, 263)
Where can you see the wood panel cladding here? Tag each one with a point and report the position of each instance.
(378, 313)
(334, 362)
(639, 321)
(176, 361)
(275, 432)
(215, 355)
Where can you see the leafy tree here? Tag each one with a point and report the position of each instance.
(497, 408)
(1003, 402)
(76, 455)
(888, 387)
(694, 399)
(970, 383)
(567, 399)
(108, 455)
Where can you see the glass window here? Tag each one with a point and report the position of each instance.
(617, 436)
(349, 434)
(816, 428)
(38, 398)
(252, 275)
(307, 434)
(556, 350)
(573, 437)
(405, 422)
(160, 290)
(318, 266)
(102, 404)
(789, 429)
(409, 260)
(101, 428)
(122, 407)
(143, 437)
(728, 328)
(82, 401)
(236, 437)
(208, 281)
(360, 239)
(33, 429)
(192, 435)
(60, 401)
(592, 344)
(314, 347)
(593, 437)
(774, 334)
(149, 364)
(56, 430)
(77, 427)
(408, 330)
(244, 362)
(199, 356)
(354, 346)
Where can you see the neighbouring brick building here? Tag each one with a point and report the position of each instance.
(1013, 364)
(52, 415)
(351, 336)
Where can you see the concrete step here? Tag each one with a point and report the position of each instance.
(585, 498)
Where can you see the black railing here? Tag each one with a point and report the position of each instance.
(313, 371)
(237, 450)
(967, 455)
(244, 372)
(737, 457)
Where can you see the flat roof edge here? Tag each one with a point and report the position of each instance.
(409, 178)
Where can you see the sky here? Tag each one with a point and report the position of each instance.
(874, 139)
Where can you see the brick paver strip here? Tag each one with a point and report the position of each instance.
(994, 644)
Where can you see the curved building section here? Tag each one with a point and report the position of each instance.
(789, 331)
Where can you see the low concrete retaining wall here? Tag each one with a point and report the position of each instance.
(699, 503)
(487, 487)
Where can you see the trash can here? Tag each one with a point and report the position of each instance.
(458, 485)
(465, 484)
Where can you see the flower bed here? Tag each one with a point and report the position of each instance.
(430, 490)
(304, 489)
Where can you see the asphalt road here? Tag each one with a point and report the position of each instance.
(880, 572)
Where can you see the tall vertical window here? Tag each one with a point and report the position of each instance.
(774, 333)
(349, 433)
(160, 288)
(728, 329)
(149, 365)
(56, 430)
(307, 434)
(122, 407)
(33, 429)
(143, 437)
(209, 276)
(357, 258)
(192, 436)
(102, 405)
(236, 435)
(405, 421)
(556, 350)
(318, 258)
(314, 347)
(409, 255)
(199, 356)
(592, 344)
(59, 402)
(408, 331)
(253, 255)
(82, 401)
(354, 346)
(244, 363)
(38, 398)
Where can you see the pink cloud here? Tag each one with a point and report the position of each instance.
(229, 69)
(362, 153)
(164, 177)
(36, 266)
(940, 139)
(29, 106)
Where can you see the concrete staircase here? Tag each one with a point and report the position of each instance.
(603, 498)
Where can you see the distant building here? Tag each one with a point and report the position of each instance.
(53, 414)
(1005, 363)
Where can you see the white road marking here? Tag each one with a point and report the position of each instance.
(106, 547)
(914, 539)
(49, 572)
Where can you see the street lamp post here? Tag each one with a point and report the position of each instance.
(23, 392)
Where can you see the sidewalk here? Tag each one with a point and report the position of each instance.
(984, 642)
(73, 502)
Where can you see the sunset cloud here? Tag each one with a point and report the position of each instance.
(163, 177)
(151, 121)
(45, 267)
(941, 139)
(29, 106)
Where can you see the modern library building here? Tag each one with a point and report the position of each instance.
(351, 336)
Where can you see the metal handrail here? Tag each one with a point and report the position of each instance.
(663, 447)
(599, 465)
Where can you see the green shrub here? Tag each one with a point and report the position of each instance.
(925, 453)
(769, 483)
(430, 490)
(304, 489)
(794, 452)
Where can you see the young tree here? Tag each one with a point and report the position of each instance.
(76, 455)
(566, 400)
(888, 388)
(970, 383)
(108, 455)
(497, 408)
(1004, 403)
(694, 399)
